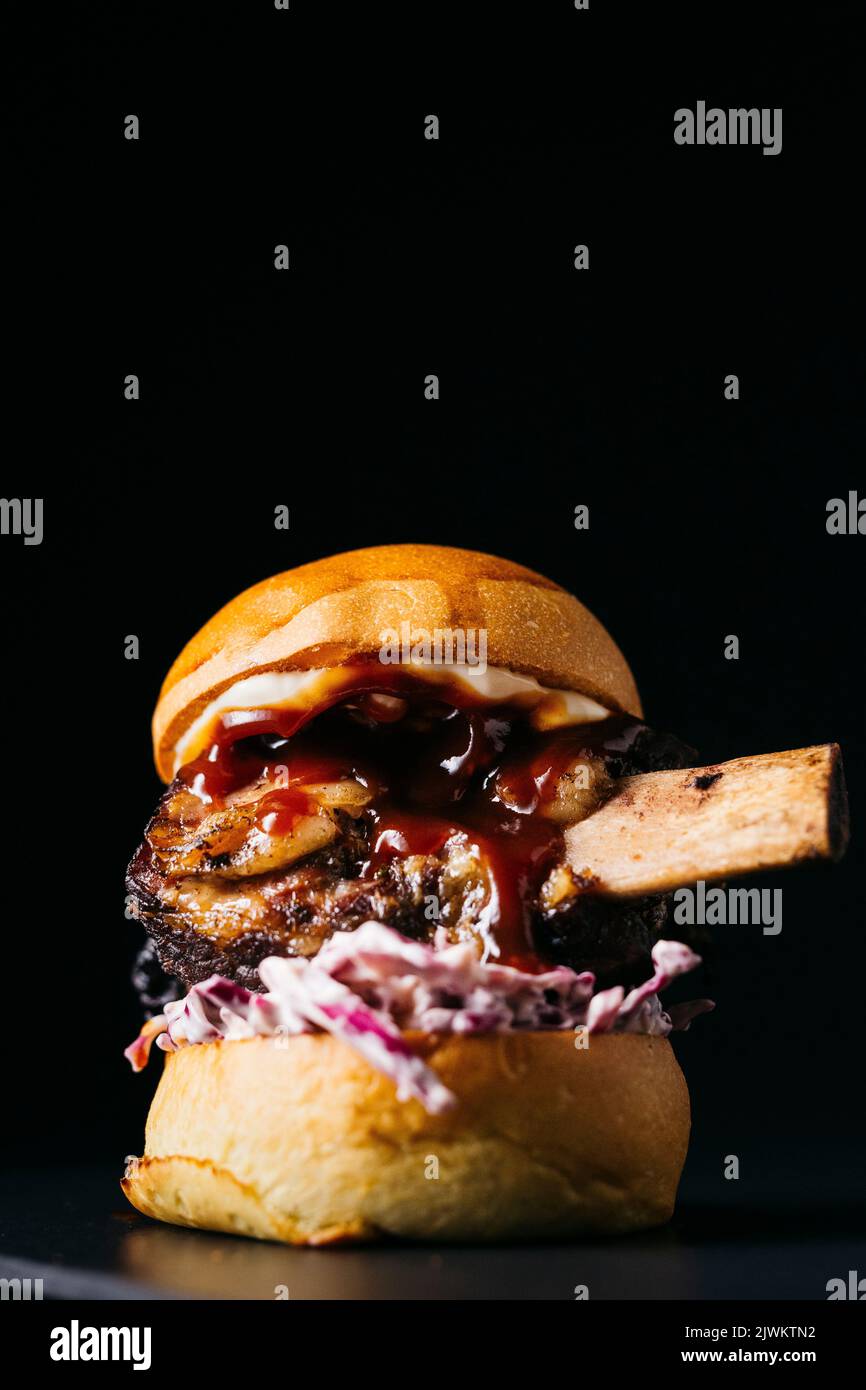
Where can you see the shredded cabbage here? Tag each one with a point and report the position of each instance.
(370, 986)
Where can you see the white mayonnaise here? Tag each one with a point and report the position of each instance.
(303, 690)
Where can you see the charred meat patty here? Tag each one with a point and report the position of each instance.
(430, 820)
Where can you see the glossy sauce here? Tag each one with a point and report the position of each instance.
(435, 771)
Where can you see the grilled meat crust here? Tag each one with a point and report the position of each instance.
(202, 925)
(215, 896)
(201, 928)
(210, 927)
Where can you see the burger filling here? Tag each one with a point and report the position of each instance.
(370, 986)
(413, 805)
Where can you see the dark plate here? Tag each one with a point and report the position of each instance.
(72, 1228)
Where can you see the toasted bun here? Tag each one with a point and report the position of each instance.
(300, 1140)
(333, 611)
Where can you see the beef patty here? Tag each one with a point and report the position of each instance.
(447, 824)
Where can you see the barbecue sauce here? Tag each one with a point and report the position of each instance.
(436, 770)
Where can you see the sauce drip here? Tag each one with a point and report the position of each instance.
(438, 771)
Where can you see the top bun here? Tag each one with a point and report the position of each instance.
(335, 611)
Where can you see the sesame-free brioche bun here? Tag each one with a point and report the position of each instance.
(335, 610)
(300, 1140)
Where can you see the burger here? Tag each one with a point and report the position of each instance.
(393, 998)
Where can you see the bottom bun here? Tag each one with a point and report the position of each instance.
(300, 1140)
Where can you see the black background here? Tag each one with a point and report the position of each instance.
(557, 388)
